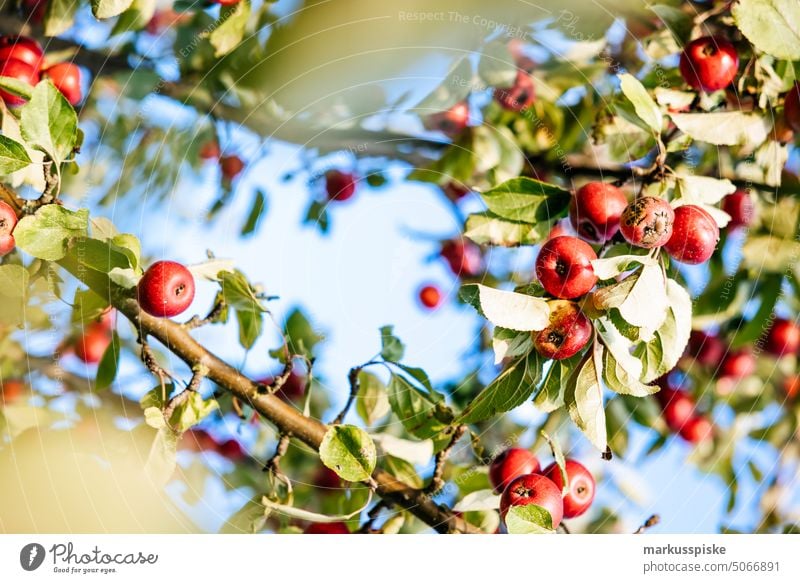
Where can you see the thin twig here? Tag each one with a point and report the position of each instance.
(372, 516)
(197, 377)
(437, 482)
(352, 377)
(212, 317)
(649, 523)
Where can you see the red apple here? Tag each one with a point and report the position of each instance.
(463, 257)
(533, 489)
(738, 364)
(339, 185)
(595, 211)
(430, 296)
(791, 108)
(519, 96)
(510, 465)
(67, 79)
(783, 337)
(22, 48)
(647, 222)
(92, 344)
(567, 333)
(740, 207)
(327, 528)
(706, 349)
(694, 235)
(450, 122)
(166, 289)
(581, 486)
(21, 71)
(697, 430)
(709, 63)
(564, 267)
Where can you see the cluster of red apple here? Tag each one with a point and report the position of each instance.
(597, 212)
(678, 409)
(230, 166)
(518, 477)
(8, 220)
(22, 58)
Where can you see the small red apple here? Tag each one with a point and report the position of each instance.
(22, 48)
(327, 528)
(595, 211)
(791, 386)
(11, 390)
(455, 191)
(231, 167)
(706, 349)
(564, 267)
(533, 489)
(67, 79)
(709, 63)
(463, 256)
(791, 108)
(581, 486)
(209, 150)
(339, 185)
(519, 96)
(92, 344)
(562, 228)
(327, 480)
(740, 207)
(8, 220)
(430, 296)
(231, 449)
(21, 71)
(166, 289)
(567, 333)
(647, 222)
(677, 406)
(697, 430)
(510, 465)
(450, 122)
(694, 235)
(737, 364)
(783, 337)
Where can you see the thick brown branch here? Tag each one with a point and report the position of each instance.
(285, 417)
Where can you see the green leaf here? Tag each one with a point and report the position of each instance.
(510, 344)
(49, 123)
(231, 28)
(16, 87)
(47, 233)
(488, 229)
(256, 212)
(644, 105)
(454, 87)
(59, 15)
(478, 500)
(677, 21)
(349, 452)
(769, 290)
(610, 267)
(551, 393)
(641, 298)
(392, 349)
(584, 399)
(239, 293)
(14, 282)
(161, 461)
(249, 519)
(300, 334)
(621, 370)
(561, 462)
(87, 306)
(496, 67)
(101, 256)
(508, 391)
(419, 414)
(192, 411)
(136, 17)
(372, 400)
(109, 364)
(251, 325)
(109, 8)
(529, 519)
(13, 156)
(727, 128)
(507, 309)
(402, 470)
(771, 25)
(661, 354)
(527, 200)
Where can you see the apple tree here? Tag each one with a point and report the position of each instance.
(624, 175)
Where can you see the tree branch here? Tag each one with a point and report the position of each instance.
(285, 417)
